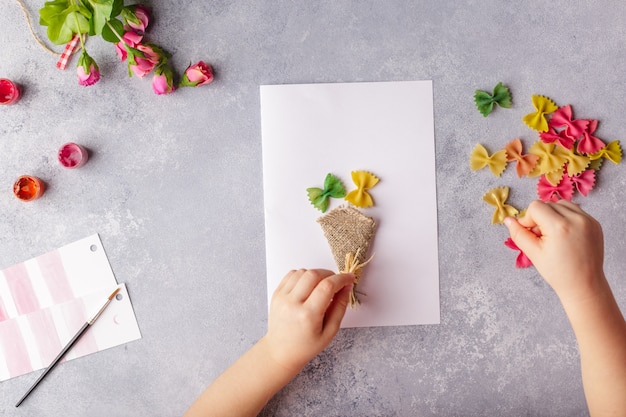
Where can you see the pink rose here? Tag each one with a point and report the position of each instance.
(131, 39)
(162, 82)
(139, 18)
(90, 78)
(144, 65)
(197, 74)
(87, 70)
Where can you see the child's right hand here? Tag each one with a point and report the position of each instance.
(566, 246)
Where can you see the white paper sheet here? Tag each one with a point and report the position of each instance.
(387, 128)
(46, 300)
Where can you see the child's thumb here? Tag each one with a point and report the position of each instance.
(526, 240)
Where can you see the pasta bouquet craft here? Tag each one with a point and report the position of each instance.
(566, 159)
(348, 231)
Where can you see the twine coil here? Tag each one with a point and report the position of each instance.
(32, 31)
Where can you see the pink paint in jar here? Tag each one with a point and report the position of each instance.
(9, 91)
(72, 155)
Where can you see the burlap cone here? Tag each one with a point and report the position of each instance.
(349, 233)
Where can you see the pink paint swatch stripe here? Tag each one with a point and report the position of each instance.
(3, 314)
(21, 289)
(14, 349)
(46, 336)
(75, 316)
(53, 271)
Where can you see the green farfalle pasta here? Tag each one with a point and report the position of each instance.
(485, 101)
(333, 187)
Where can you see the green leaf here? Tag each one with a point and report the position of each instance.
(485, 101)
(118, 5)
(63, 19)
(109, 35)
(101, 13)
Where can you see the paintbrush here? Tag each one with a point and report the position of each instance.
(69, 345)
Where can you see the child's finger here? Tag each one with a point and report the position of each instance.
(289, 281)
(526, 240)
(336, 310)
(321, 297)
(307, 282)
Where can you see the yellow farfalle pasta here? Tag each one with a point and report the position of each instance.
(479, 158)
(537, 119)
(549, 161)
(363, 181)
(575, 163)
(612, 152)
(497, 198)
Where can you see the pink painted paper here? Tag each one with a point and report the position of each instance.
(46, 300)
(21, 289)
(56, 277)
(12, 346)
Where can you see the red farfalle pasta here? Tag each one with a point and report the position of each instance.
(522, 261)
(525, 163)
(562, 118)
(548, 192)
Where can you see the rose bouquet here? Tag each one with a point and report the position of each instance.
(72, 21)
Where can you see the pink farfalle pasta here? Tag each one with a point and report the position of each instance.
(584, 181)
(588, 143)
(497, 197)
(525, 163)
(552, 136)
(564, 190)
(562, 118)
(522, 261)
(537, 120)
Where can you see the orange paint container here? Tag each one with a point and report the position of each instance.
(9, 91)
(28, 188)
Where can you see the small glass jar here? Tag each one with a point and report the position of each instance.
(72, 155)
(9, 91)
(28, 188)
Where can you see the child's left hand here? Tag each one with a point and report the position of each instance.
(305, 314)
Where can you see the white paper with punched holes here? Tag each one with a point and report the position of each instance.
(387, 128)
(44, 301)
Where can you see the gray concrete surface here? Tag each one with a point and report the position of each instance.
(173, 186)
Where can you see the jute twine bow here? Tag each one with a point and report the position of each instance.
(355, 267)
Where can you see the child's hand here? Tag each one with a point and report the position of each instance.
(305, 314)
(566, 246)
